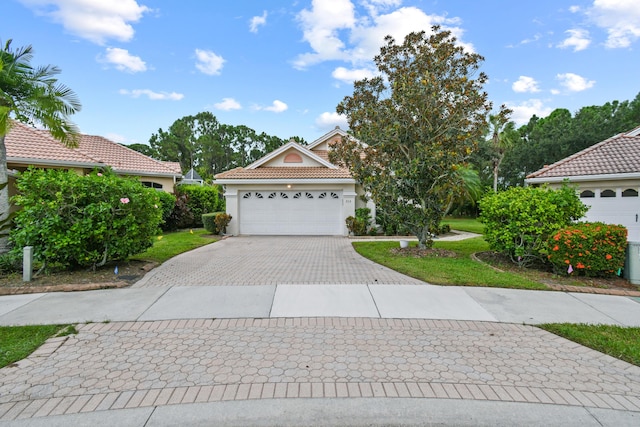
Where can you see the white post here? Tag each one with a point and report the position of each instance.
(27, 263)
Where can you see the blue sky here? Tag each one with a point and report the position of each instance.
(281, 67)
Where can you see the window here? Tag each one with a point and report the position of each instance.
(334, 195)
(308, 195)
(272, 195)
(259, 195)
(284, 195)
(297, 195)
(607, 193)
(630, 192)
(152, 185)
(246, 196)
(293, 158)
(587, 194)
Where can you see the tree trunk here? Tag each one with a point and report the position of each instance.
(4, 197)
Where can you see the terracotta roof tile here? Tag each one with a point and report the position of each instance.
(26, 143)
(299, 172)
(616, 155)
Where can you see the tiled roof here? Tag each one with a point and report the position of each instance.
(283, 172)
(616, 155)
(25, 143)
(122, 159)
(174, 166)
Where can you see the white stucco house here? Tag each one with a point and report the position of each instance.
(608, 178)
(294, 190)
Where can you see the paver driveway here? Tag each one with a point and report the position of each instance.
(273, 260)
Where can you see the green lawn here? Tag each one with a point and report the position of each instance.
(17, 342)
(471, 225)
(171, 244)
(461, 270)
(616, 341)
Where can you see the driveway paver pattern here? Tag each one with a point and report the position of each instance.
(142, 364)
(273, 260)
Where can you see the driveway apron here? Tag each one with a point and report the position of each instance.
(273, 260)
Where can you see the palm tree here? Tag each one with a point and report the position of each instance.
(31, 95)
(502, 132)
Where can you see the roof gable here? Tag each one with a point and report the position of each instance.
(325, 140)
(277, 158)
(619, 154)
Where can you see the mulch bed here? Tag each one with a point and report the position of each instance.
(416, 252)
(79, 280)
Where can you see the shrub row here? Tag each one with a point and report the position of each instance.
(216, 222)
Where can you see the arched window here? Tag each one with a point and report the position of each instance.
(293, 158)
(607, 193)
(587, 194)
(630, 192)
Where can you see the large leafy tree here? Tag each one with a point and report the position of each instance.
(31, 95)
(503, 137)
(419, 121)
(211, 147)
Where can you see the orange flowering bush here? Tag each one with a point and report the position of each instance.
(589, 249)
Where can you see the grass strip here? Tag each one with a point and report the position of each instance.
(169, 245)
(461, 270)
(616, 341)
(18, 342)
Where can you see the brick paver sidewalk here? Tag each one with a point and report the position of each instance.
(128, 365)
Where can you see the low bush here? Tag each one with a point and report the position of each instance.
(167, 203)
(361, 223)
(519, 221)
(222, 219)
(180, 216)
(589, 249)
(74, 220)
(208, 220)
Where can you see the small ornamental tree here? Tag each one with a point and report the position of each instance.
(83, 221)
(589, 249)
(519, 221)
(417, 122)
(200, 199)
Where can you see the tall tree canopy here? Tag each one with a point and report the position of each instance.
(543, 141)
(209, 146)
(419, 121)
(31, 95)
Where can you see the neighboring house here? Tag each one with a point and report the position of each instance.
(27, 146)
(608, 178)
(294, 190)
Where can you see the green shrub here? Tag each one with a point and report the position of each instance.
(519, 221)
(222, 219)
(181, 216)
(74, 220)
(361, 223)
(590, 249)
(167, 203)
(208, 220)
(200, 200)
(10, 262)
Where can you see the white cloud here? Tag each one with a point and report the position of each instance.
(228, 104)
(257, 21)
(574, 9)
(94, 20)
(349, 76)
(523, 111)
(555, 92)
(578, 39)
(123, 60)
(574, 83)
(154, 96)
(620, 18)
(525, 84)
(328, 121)
(334, 32)
(277, 107)
(208, 62)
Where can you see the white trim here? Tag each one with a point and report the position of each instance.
(291, 144)
(582, 178)
(323, 138)
(285, 181)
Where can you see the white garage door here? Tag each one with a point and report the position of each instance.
(615, 208)
(291, 212)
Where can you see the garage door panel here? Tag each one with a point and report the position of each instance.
(291, 212)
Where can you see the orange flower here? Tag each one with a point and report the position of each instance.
(556, 247)
(608, 256)
(580, 265)
(566, 261)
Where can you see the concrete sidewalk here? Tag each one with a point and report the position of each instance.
(277, 301)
